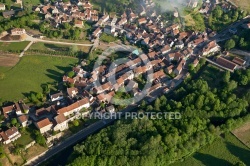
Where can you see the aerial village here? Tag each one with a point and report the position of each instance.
(169, 51)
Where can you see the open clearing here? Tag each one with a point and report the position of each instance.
(8, 60)
(243, 133)
(30, 73)
(244, 4)
(223, 151)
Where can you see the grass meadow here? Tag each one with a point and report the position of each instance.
(30, 72)
(226, 150)
(13, 46)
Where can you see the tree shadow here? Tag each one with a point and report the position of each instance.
(241, 153)
(208, 160)
(54, 72)
(65, 68)
(54, 77)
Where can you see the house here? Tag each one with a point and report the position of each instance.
(44, 9)
(110, 109)
(55, 10)
(72, 92)
(36, 9)
(179, 44)
(210, 48)
(169, 69)
(226, 63)
(152, 55)
(165, 49)
(142, 21)
(140, 70)
(17, 108)
(56, 96)
(97, 32)
(187, 52)
(2, 6)
(196, 62)
(114, 20)
(78, 23)
(61, 123)
(156, 75)
(19, 1)
(17, 31)
(9, 135)
(179, 68)
(87, 5)
(109, 29)
(246, 26)
(122, 21)
(7, 110)
(24, 120)
(170, 56)
(44, 125)
(239, 61)
(105, 18)
(176, 14)
(204, 9)
(42, 112)
(47, 16)
(75, 107)
(196, 43)
(153, 88)
(8, 13)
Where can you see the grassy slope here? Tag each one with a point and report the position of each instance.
(223, 151)
(30, 73)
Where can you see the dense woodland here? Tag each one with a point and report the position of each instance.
(221, 18)
(210, 105)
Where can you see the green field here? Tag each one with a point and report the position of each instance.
(30, 73)
(13, 46)
(223, 151)
(107, 38)
(57, 47)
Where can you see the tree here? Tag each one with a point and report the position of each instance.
(157, 104)
(13, 121)
(229, 44)
(243, 80)
(217, 12)
(191, 67)
(76, 123)
(39, 138)
(202, 61)
(73, 49)
(33, 97)
(226, 77)
(71, 74)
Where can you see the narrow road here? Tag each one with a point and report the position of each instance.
(26, 48)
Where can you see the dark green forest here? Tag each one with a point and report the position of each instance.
(211, 104)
